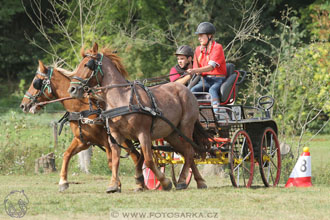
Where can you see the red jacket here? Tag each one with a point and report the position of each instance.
(216, 55)
(174, 77)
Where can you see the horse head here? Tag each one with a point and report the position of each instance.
(39, 90)
(88, 73)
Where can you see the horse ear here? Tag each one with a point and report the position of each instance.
(82, 51)
(95, 48)
(42, 67)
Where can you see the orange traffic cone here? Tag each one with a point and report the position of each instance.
(301, 174)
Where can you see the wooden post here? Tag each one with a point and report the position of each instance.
(45, 164)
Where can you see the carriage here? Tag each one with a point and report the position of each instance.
(239, 136)
(242, 137)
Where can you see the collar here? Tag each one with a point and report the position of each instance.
(209, 48)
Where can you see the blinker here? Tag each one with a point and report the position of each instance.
(37, 84)
(91, 64)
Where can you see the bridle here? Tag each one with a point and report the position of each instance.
(95, 66)
(41, 85)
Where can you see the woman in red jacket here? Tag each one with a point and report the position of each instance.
(209, 62)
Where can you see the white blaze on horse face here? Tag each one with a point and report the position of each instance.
(33, 109)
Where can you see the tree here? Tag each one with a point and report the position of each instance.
(18, 58)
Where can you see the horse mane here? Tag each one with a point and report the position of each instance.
(65, 72)
(116, 60)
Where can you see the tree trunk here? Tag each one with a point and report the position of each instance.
(85, 159)
(45, 164)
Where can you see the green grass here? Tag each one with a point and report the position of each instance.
(88, 200)
(26, 137)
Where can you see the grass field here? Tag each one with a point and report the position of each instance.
(86, 197)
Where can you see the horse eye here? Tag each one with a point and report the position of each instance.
(90, 64)
(37, 84)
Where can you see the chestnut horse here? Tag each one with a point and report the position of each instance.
(55, 86)
(175, 102)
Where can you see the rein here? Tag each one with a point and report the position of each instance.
(52, 101)
(153, 111)
(96, 67)
(157, 78)
(144, 81)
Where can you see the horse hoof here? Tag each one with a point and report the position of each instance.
(201, 186)
(63, 187)
(138, 189)
(168, 186)
(113, 189)
(180, 186)
(139, 180)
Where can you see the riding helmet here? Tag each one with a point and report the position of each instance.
(205, 28)
(185, 50)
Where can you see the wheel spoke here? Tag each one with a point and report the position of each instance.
(241, 156)
(242, 160)
(237, 167)
(269, 158)
(244, 177)
(273, 153)
(248, 170)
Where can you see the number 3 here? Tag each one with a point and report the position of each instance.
(303, 167)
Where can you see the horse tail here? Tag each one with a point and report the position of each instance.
(201, 138)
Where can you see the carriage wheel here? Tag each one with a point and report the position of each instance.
(150, 179)
(270, 158)
(176, 170)
(241, 159)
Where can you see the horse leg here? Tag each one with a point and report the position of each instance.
(138, 160)
(134, 154)
(198, 178)
(115, 185)
(75, 147)
(185, 149)
(145, 142)
(139, 178)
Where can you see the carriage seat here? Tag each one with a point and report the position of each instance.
(227, 91)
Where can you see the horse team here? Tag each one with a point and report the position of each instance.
(169, 111)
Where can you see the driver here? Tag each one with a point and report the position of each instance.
(185, 56)
(209, 62)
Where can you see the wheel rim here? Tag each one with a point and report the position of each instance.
(270, 158)
(241, 160)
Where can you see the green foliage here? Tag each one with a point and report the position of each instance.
(287, 164)
(18, 57)
(26, 137)
(303, 86)
(317, 20)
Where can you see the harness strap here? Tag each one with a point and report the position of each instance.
(124, 110)
(78, 116)
(154, 108)
(63, 120)
(112, 139)
(80, 132)
(45, 85)
(29, 96)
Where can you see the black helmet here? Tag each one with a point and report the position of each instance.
(205, 28)
(185, 50)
